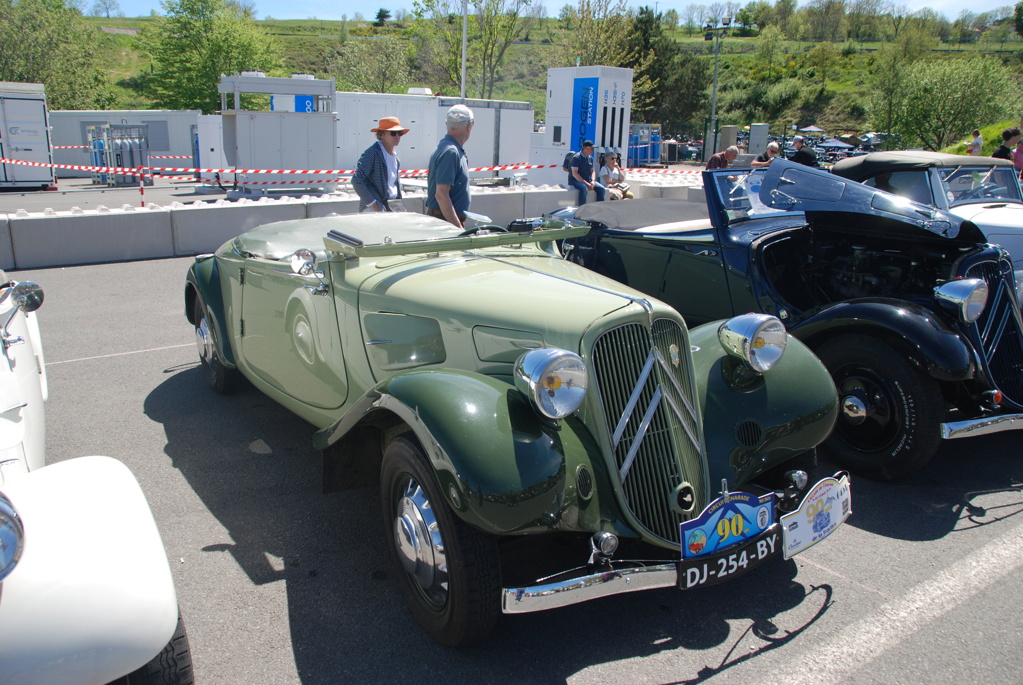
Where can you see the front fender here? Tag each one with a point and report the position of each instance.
(501, 468)
(92, 598)
(752, 421)
(203, 281)
(938, 347)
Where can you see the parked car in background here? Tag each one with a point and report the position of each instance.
(86, 593)
(984, 190)
(23, 386)
(540, 435)
(913, 312)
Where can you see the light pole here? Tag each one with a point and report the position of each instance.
(714, 32)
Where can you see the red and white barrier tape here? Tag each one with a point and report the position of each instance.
(664, 171)
(303, 181)
(170, 156)
(70, 147)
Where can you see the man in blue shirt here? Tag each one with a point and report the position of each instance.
(582, 176)
(447, 182)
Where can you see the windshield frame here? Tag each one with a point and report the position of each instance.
(1004, 180)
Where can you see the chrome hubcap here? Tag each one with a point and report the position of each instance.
(854, 409)
(204, 341)
(418, 541)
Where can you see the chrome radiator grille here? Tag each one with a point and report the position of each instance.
(649, 408)
(999, 328)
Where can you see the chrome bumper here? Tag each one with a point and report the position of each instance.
(582, 589)
(984, 426)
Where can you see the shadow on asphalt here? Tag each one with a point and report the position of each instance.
(252, 464)
(970, 483)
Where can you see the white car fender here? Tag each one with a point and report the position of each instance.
(92, 598)
(23, 390)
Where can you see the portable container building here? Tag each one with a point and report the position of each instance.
(25, 137)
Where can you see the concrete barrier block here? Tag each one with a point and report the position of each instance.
(6, 247)
(675, 192)
(696, 194)
(204, 228)
(501, 207)
(646, 191)
(325, 206)
(539, 202)
(89, 237)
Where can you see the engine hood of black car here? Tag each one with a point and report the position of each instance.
(819, 194)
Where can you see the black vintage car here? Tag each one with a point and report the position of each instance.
(915, 315)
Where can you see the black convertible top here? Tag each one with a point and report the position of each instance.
(868, 166)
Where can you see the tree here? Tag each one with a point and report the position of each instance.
(372, 66)
(823, 60)
(889, 75)
(193, 44)
(45, 41)
(103, 8)
(603, 34)
(945, 99)
(683, 91)
(383, 16)
(769, 46)
(784, 11)
(862, 18)
(825, 20)
(693, 17)
(1017, 18)
(492, 28)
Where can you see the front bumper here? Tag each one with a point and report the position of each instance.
(982, 426)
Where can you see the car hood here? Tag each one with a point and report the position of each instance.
(497, 289)
(817, 193)
(995, 214)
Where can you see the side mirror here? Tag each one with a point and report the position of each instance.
(303, 262)
(27, 296)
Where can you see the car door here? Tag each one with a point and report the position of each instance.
(290, 334)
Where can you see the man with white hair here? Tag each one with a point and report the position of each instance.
(721, 160)
(767, 156)
(447, 182)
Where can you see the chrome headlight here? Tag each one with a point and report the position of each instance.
(967, 297)
(12, 537)
(757, 339)
(554, 381)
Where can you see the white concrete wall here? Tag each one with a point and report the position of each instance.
(6, 248)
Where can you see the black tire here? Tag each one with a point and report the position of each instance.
(889, 411)
(172, 666)
(448, 571)
(220, 378)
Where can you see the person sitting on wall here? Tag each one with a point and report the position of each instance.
(613, 177)
(376, 174)
(583, 176)
(720, 160)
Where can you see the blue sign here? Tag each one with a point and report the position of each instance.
(584, 111)
(726, 522)
(304, 103)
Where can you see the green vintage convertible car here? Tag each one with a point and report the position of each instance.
(540, 434)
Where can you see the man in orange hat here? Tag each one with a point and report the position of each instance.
(376, 174)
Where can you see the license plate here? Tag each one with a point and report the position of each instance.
(825, 508)
(704, 571)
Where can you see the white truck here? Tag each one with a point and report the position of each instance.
(25, 137)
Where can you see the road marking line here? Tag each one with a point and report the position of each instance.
(119, 354)
(866, 640)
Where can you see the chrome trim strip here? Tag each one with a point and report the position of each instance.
(567, 592)
(644, 426)
(682, 420)
(637, 390)
(984, 426)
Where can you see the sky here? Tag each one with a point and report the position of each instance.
(322, 9)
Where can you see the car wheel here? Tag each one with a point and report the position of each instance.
(449, 572)
(219, 377)
(889, 411)
(172, 666)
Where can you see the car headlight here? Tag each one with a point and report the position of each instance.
(12, 537)
(967, 297)
(757, 339)
(554, 380)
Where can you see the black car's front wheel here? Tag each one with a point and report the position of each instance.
(449, 572)
(219, 377)
(889, 411)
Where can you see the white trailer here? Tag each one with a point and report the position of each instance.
(500, 135)
(169, 135)
(25, 137)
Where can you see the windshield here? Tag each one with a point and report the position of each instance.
(739, 194)
(979, 184)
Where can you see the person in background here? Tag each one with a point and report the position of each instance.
(447, 182)
(1017, 157)
(804, 155)
(1010, 137)
(612, 177)
(720, 160)
(766, 157)
(376, 174)
(975, 146)
(583, 176)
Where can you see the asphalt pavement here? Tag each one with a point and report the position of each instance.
(281, 584)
